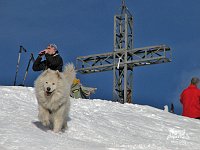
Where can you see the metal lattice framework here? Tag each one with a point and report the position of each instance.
(123, 58)
(136, 57)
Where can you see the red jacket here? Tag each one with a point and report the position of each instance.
(190, 99)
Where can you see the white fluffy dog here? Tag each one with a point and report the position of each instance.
(52, 89)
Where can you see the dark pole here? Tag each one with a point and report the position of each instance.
(18, 61)
(27, 68)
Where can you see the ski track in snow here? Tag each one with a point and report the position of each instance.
(93, 124)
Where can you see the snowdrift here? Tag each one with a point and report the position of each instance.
(93, 124)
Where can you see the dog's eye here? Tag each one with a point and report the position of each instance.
(46, 82)
(53, 83)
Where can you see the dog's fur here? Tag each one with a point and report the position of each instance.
(52, 89)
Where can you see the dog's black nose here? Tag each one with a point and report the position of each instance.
(48, 88)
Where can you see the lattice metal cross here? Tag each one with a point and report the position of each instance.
(123, 58)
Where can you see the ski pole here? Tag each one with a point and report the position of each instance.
(18, 61)
(27, 68)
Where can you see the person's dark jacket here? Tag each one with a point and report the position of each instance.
(54, 62)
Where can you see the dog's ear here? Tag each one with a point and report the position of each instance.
(45, 72)
(58, 74)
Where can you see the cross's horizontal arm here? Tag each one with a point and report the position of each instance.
(136, 57)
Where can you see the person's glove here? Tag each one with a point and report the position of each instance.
(42, 53)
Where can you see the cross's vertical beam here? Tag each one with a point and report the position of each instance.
(123, 40)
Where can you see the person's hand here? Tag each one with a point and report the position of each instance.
(41, 53)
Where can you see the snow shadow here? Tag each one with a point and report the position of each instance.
(39, 125)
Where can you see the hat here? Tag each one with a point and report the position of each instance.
(54, 46)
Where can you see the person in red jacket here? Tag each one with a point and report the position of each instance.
(190, 99)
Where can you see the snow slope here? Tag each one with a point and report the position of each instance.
(93, 124)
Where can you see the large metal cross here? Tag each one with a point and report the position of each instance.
(123, 58)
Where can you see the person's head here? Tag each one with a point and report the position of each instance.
(195, 81)
(52, 49)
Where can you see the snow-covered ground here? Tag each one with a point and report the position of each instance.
(93, 125)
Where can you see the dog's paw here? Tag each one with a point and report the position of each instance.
(45, 123)
(56, 130)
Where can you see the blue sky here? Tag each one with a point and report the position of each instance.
(84, 27)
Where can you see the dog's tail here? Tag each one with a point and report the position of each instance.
(70, 73)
